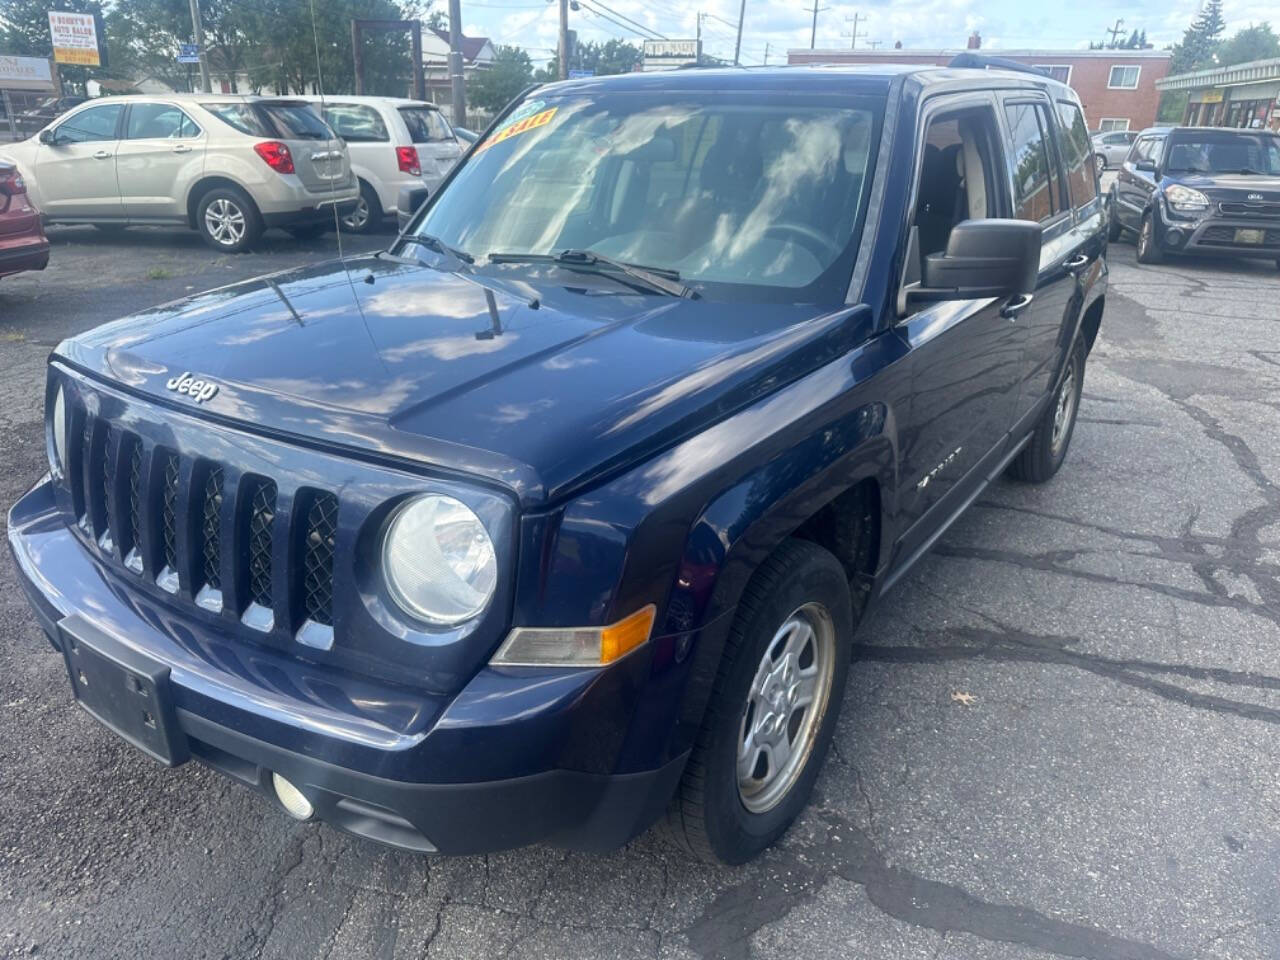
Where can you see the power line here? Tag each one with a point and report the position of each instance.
(601, 6)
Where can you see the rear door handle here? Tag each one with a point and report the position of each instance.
(102, 155)
(1077, 262)
(1016, 305)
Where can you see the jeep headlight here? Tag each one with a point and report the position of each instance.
(1185, 200)
(438, 560)
(59, 433)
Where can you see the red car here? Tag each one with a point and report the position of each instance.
(23, 245)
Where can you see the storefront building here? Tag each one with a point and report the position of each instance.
(1245, 95)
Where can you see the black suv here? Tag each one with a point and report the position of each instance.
(1205, 190)
(557, 519)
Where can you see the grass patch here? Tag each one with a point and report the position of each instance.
(158, 273)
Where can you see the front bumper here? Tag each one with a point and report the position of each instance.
(1215, 234)
(517, 757)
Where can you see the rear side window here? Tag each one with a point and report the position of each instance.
(356, 122)
(1034, 178)
(295, 121)
(159, 121)
(241, 116)
(425, 126)
(1081, 182)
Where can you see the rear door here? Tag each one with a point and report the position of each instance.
(159, 157)
(1039, 196)
(319, 157)
(433, 138)
(77, 172)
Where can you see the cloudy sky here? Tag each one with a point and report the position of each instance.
(784, 24)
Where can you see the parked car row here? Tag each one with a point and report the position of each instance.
(1203, 190)
(231, 166)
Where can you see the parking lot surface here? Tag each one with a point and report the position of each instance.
(1058, 739)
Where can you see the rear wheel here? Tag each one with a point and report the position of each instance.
(1148, 247)
(228, 220)
(1099, 163)
(367, 215)
(1044, 453)
(1114, 227)
(772, 711)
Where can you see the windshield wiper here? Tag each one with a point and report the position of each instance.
(654, 279)
(436, 244)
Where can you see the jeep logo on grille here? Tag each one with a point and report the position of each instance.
(1254, 196)
(197, 390)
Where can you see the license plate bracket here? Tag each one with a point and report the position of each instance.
(1250, 236)
(122, 688)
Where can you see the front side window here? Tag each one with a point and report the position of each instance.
(957, 176)
(159, 121)
(1224, 153)
(426, 125)
(742, 195)
(356, 123)
(1124, 78)
(1081, 180)
(87, 126)
(1033, 188)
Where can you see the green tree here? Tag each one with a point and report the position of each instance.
(602, 59)
(1250, 43)
(510, 72)
(1200, 40)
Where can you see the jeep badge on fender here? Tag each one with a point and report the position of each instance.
(560, 522)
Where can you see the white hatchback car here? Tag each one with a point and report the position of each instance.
(392, 143)
(228, 166)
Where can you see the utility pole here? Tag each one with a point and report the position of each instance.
(813, 33)
(853, 45)
(737, 47)
(1114, 31)
(564, 39)
(205, 83)
(457, 83)
(766, 54)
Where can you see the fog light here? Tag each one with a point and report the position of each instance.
(1173, 237)
(291, 798)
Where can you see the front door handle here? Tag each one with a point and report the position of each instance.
(1016, 305)
(1077, 262)
(182, 148)
(102, 155)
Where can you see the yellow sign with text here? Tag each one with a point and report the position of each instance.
(1211, 96)
(520, 126)
(84, 58)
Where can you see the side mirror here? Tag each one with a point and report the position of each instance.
(984, 258)
(47, 137)
(1147, 166)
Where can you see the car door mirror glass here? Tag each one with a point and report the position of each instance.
(1145, 165)
(48, 137)
(984, 258)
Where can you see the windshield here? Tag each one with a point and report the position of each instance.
(426, 125)
(740, 195)
(1214, 152)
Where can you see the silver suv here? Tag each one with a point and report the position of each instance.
(228, 166)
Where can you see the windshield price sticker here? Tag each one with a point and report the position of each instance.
(520, 126)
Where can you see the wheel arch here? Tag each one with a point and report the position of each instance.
(203, 186)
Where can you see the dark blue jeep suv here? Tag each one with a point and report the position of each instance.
(557, 518)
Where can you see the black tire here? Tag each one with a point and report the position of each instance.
(233, 208)
(1148, 246)
(367, 217)
(309, 231)
(708, 816)
(1044, 453)
(1115, 229)
(1099, 163)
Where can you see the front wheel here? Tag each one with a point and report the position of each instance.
(1047, 448)
(1148, 246)
(772, 711)
(1099, 163)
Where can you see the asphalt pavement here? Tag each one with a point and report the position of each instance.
(1058, 738)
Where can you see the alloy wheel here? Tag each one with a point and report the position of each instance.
(225, 222)
(1100, 162)
(785, 706)
(1065, 409)
(358, 218)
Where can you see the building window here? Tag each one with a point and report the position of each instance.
(1123, 78)
(1107, 124)
(1058, 71)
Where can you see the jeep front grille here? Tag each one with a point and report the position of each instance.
(169, 521)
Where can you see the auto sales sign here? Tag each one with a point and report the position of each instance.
(75, 38)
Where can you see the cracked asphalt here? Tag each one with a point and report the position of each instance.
(1112, 790)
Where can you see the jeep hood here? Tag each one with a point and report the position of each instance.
(535, 377)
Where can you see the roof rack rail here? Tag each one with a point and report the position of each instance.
(978, 61)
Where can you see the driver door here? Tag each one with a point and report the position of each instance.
(77, 171)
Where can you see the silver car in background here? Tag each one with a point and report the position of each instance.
(228, 166)
(1111, 147)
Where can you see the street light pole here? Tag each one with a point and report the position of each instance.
(205, 83)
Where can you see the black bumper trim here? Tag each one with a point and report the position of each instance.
(308, 215)
(580, 811)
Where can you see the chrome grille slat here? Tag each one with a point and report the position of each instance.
(169, 511)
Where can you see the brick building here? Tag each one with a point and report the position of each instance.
(1117, 88)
